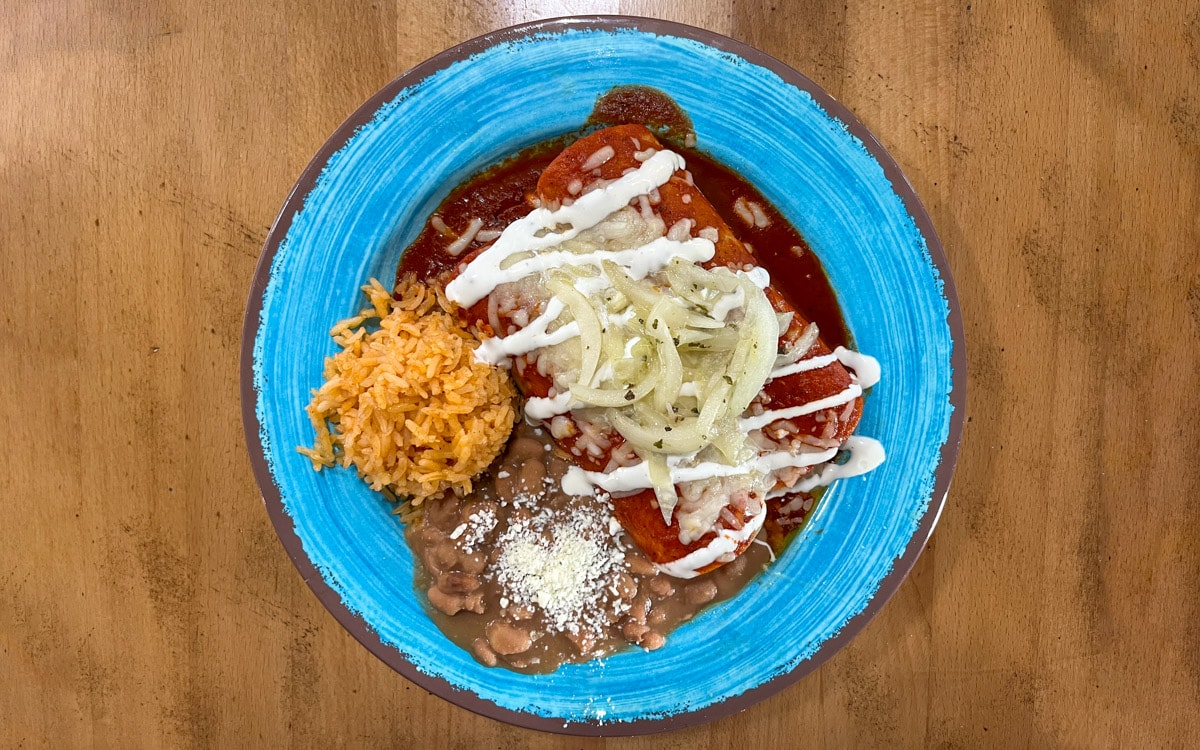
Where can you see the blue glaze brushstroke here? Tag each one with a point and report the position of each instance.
(371, 200)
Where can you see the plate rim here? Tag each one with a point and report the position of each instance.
(284, 525)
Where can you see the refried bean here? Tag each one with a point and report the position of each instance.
(521, 575)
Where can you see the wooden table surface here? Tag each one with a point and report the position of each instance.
(144, 598)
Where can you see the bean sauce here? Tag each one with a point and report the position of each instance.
(496, 567)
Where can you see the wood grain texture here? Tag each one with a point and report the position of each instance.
(144, 598)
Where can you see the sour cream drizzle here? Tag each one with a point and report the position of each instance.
(865, 454)
(758, 421)
(637, 477)
(498, 350)
(537, 231)
(640, 261)
(723, 546)
(542, 409)
(727, 303)
(804, 365)
(866, 368)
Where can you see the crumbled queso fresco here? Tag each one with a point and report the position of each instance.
(474, 530)
(565, 566)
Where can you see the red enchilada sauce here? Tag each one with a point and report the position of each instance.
(460, 544)
(498, 196)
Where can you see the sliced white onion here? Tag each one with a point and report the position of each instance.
(754, 357)
(615, 398)
(794, 352)
(641, 296)
(670, 365)
(590, 331)
(681, 275)
(784, 320)
(664, 488)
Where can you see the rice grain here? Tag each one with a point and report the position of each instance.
(405, 402)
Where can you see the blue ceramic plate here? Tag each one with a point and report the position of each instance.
(367, 193)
